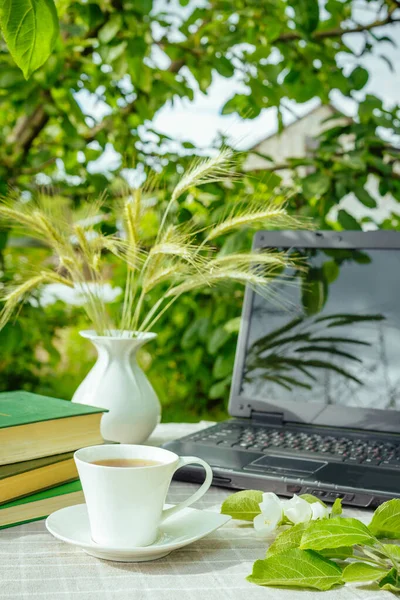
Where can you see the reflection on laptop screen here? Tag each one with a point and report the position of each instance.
(332, 335)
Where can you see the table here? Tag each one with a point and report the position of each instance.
(35, 565)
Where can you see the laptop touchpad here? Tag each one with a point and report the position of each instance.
(284, 465)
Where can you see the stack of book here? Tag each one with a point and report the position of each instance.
(38, 437)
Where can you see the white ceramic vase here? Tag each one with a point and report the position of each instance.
(117, 383)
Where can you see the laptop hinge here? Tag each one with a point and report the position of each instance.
(270, 418)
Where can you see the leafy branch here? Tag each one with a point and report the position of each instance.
(339, 31)
(325, 551)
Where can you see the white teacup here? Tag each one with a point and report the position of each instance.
(125, 503)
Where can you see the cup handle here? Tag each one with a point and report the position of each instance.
(183, 461)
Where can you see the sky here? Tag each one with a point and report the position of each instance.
(200, 121)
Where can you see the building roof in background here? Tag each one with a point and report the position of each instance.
(300, 118)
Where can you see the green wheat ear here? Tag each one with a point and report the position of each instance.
(180, 259)
(14, 295)
(209, 170)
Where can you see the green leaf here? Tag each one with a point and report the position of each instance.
(223, 366)
(361, 258)
(94, 15)
(10, 76)
(379, 164)
(393, 551)
(298, 162)
(323, 364)
(143, 6)
(112, 52)
(331, 271)
(365, 197)
(110, 29)
(296, 568)
(272, 29)
(315, 185)
(386, 520)
(240, 103)
(11, 337)
(224, 67)
(217, 339)
(340, 553)
(218, 389)
(336, 532)
(311, 499)
(337, 508)
(233, 325)
(328, 350)
(137, 48)
(191, 335)
(243, 505)
(352, 161)
(287, 540)
(30, 28)
(306, 14)
(385, 38)
(389, 63)
(359, 78)
(347, 221)
(360, 571)
(391, 581)
(204, 323)
(313, 292)
(3, 242)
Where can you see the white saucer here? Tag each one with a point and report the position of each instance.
(71, 525)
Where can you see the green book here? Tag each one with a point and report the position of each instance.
(34, 426)
(41, 505)
(24, 408)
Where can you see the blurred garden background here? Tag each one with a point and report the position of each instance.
(307, 94)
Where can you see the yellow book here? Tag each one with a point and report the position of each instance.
(24, 478)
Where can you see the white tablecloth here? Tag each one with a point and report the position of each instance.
(35, 565)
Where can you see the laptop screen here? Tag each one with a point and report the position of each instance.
(329, 334)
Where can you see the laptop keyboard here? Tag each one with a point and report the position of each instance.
(303, 444)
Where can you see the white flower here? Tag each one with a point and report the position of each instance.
(319, 511)
(76, 296)
(297, 510)
(271, 514)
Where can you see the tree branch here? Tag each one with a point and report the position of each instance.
(273, 168)
(338, 31)
(176, 65)
(123, 112)
(32, 170)
(29, 127)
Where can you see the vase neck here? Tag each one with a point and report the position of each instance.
(118, 345)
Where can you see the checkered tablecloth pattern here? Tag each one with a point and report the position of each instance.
(34, 565)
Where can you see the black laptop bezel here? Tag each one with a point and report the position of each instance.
(311, 413)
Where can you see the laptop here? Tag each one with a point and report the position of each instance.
(315, 395)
